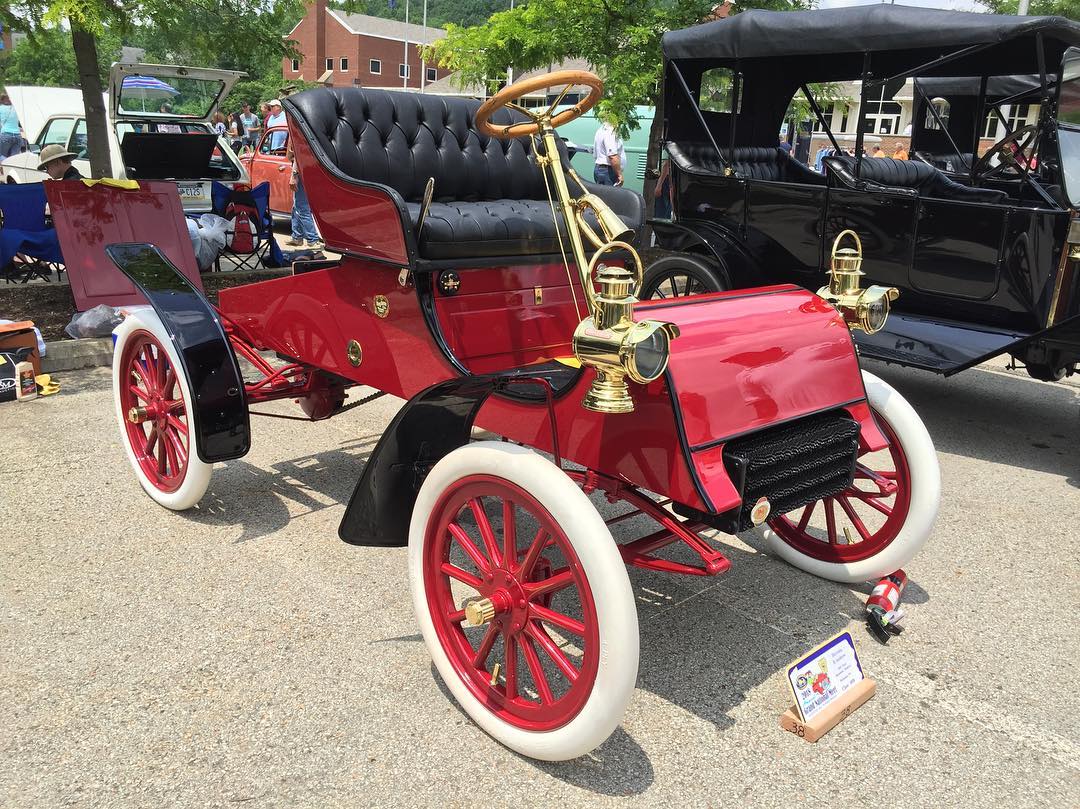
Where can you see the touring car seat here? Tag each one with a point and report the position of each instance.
(750, 162)
(489, 196)
(926, 180)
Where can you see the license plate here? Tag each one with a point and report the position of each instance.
(191, 193)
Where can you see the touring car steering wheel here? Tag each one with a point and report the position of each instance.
(507, 97)
(1013, 156)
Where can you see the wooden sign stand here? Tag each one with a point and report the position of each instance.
(831, 715)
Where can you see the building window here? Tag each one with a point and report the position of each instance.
(881, 116)
(329, 64)
(295, 65)
(344, 64)
(432, 74)
(942, 107)
(827, 115)
(1017, 115)
(403, 72)
(374, 66)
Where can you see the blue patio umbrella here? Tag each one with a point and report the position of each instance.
(145, 88)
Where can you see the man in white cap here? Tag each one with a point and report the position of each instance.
(277, 118)
(55, 161)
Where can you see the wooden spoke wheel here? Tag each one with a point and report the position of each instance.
(153, 408)
(523, 600)
(879, 523)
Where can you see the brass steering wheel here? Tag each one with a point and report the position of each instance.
(507, 97)
(1014, 153)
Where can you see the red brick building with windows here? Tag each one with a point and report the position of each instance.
(347, 50)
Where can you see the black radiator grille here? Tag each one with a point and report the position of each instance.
(793, 464)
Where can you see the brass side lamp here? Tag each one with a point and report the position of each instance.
(862, 309)
(608, 339)
(614, 344)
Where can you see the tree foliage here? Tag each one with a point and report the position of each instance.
(46, 59)
(1062, 8)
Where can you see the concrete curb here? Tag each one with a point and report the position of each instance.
(71, 355)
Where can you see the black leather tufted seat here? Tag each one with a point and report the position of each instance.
(490, 198)
(924, 178)
(750, 162)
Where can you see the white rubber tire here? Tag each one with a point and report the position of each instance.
(603, 569)
(922, 460)
(197, 477)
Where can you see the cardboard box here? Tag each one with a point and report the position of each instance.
(21, 335)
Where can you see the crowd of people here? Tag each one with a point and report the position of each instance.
(244, 127)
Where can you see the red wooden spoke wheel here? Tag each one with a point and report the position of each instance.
(549, 653)
(153, 408)
(523, 600)
(156, 414)
(863, 519)
(880, 521)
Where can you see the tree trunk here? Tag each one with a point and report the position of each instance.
(652, 161)
(97, 125)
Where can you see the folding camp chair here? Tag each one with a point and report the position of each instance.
(29, 247)
(251, 240)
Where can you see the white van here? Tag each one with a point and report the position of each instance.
(159, 128)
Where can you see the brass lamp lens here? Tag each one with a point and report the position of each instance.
(876, 315)
(650, 356)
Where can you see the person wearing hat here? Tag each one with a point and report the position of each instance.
(55, 161)
(277, 118)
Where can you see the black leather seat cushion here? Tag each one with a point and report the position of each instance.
(924, 178)
(489, 198)
(500, 227)
(750, 162)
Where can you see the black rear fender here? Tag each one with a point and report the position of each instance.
(219, 410)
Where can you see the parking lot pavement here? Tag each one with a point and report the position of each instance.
(241, 654)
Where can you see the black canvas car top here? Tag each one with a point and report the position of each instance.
(754, 34)
(996, 86)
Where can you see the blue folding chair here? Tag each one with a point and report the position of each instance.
(268, 253)
(29, 246)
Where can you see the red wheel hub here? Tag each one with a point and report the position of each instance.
(521, 634)
(156, 415)
(860, 521)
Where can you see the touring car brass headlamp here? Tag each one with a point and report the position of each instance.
(616, 346)
(863, 309)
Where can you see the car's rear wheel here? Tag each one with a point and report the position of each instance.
(153, 408)
(677, 276)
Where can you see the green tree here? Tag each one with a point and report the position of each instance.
(1038, 8)
(207, 33)
(620, 38)
(45, 58)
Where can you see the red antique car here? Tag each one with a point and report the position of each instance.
(465, 288)
(269, 164)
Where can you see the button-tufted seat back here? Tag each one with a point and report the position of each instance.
(749, 162)
(489, 195)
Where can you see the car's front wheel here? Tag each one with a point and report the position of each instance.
(884, 517)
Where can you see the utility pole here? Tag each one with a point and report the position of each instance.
(405, 78)
(423, 64)
(1023, 10)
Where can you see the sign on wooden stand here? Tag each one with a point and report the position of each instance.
(828, 684)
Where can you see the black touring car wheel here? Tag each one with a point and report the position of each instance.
(677, 276)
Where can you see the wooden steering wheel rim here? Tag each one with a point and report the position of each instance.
(982, 165)
(520, 88)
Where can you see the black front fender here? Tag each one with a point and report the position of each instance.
(219, 413)
(432, 424)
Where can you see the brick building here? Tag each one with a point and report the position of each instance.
(354, 49)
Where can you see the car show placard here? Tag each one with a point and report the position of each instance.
(828, 684)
